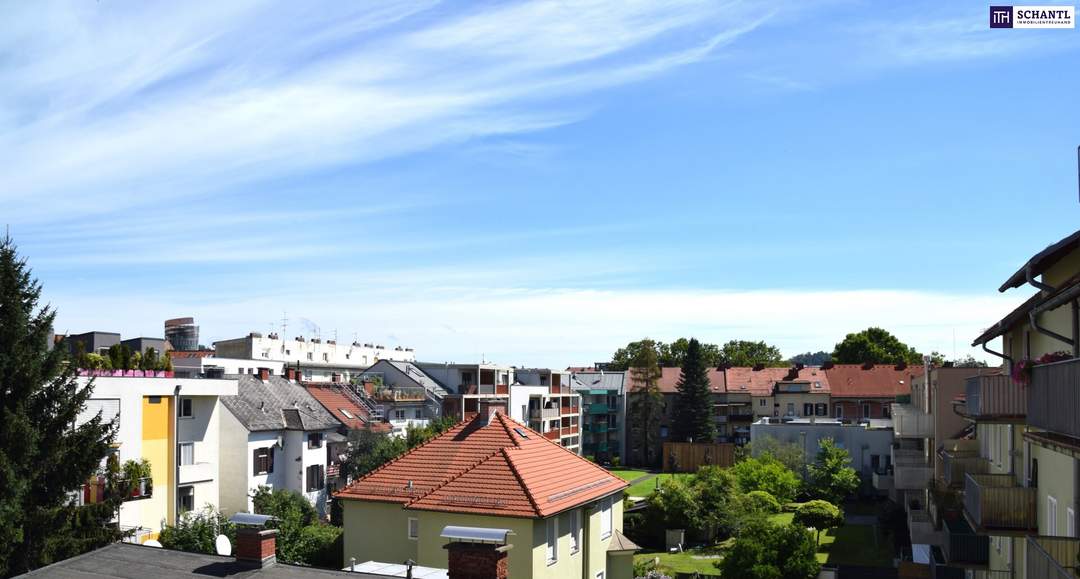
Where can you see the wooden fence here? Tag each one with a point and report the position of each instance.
(688, 456)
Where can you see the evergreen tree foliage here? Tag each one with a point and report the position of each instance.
(694, 420)
(44, 458)
(647, 404)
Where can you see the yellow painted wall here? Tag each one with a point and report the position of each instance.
(1055, 480)
(431, 544)
(159, 447)
(800, 398)
(377, 532)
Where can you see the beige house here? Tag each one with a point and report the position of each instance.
(561, 514)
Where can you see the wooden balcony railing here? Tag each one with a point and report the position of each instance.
(1053, 557)
(962, 546)
(956, 464)
(993, 501)
(995, 397)
(1054, 397)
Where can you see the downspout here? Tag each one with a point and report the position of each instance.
(176, 455)
(998, 354)
(1034, 313)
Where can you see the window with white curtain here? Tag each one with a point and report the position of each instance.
(552, 540)
(187, 453)
(605, 518)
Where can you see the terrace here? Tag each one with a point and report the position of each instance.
(994, 501)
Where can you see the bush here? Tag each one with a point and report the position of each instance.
(766, 474)
(321, 546)
(293, 513)
(762, 502)
(820, 515)
(197, 531)
(765, 551)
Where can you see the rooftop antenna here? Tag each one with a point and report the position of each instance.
(284, 324)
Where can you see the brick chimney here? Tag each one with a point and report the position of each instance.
(290, 374)
(489, 406)
(477, 561)
(256, 546)
(264, 374)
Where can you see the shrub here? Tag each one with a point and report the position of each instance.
(762, 502)
(767, 474)
(820, 515)
(320, 546)
(765, 551)
(197, 531)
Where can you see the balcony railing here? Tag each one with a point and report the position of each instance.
(910, 478)
(921, 527)
(404, 393)
(1053, 557)
(993, 501)
(910, 422)
(956, 464)
(543, 413)
(995, 397)
(962, 546)
(483, 389)
(883, 481)
(1054, 397)
(599, 408)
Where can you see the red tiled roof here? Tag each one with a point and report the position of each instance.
(191, 354)
(756, 382)
(670, 379)
(334, 400)
(877, 381)
(487, 469)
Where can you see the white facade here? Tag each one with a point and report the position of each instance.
(146, 431)
(193, 367)
(318, 359)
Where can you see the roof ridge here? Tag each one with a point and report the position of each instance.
(521, 481)
(387, 464)
(502, 421)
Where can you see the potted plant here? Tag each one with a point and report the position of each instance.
(137, 473)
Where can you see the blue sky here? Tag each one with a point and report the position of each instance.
(535, 183)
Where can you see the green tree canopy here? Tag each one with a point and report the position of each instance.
(821, 515)
(766, 551)
(667, 355)
(676, 505)
(44, 457)
(765, 473)
(811, 358)
(646, 404)
(831, 477)
(693, 407)
(747, 353)
(968, 361)
(874, 346)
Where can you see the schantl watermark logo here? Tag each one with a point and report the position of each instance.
(1032, 17)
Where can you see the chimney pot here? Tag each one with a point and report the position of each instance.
(256, 547)
(264, 374)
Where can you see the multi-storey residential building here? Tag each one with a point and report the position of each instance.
(204, 364)
(319, 360)
(1027, 424)
(469, 384)
(870, 447)
(867, 391)
(274, 433)
(173, 423)
(562, 513)
(546, 401)
(403, 394)
(603, 413)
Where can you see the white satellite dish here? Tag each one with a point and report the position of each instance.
(152, 543)
(224, 547)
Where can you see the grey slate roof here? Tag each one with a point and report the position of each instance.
(420, 377)
(277, 404)
(600, 380)
(126, 561)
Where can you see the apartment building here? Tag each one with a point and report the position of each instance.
(603, 413)
(867, 391)
(319, 360)
(546, 401)
(174, 424)
(403, 394)
(562, 513)
(275, 433)
(204, 364)
(469, 384)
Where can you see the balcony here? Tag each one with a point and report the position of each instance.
(883, 481)
(955, 464)
(1054, 397)
(910, 471)
(543, 413)
(599, 408)
(484, 389)
(995, 397)
(198, 472)
(1053, 557)
(961, 546)
(401, 394)
(993, 501)
(910, 422)
(921, 527)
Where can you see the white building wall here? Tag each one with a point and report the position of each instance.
(203, 430)
(519, 400)
(284, 463)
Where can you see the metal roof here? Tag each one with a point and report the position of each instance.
(397, 570)
(477, 534)
(250, 519)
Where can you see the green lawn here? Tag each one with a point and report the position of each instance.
(684, 562)
(628, 474)
(854, 545)
(646, 487)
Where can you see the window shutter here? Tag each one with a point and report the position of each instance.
(255, 460)
(270, 459)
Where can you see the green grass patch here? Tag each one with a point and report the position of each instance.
(689, 561)
(629, 474)
(646, 487)
(855, 545)
(781, 518)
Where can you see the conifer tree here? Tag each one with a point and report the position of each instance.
(647, 404)
(693, 410)
(44, 457)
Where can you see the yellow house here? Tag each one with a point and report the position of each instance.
(563, 514)
(1023, 492)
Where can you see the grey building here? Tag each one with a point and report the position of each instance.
(182, 333)
(92, 342)
(603, 414)
(141, 345)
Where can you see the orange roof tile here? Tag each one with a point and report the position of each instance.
(335, 401)
(669, 380)
(877, 381)
(756, 382)
(487, 469)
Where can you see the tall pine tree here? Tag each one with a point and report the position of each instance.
(43, 456)
(647, 404)
(693, 408)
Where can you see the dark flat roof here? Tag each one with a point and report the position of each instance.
(127, 561)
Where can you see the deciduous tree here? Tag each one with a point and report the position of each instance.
(831, 477)
(874, 346)
(747, 353)
(766, 551)
(821, 515)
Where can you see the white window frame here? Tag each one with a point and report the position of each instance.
(575, 531)
(1070, 522)
(1051, 515)
(180, 453)
(606, 521)
(181, 493)
(412, 529)
(551, 534)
